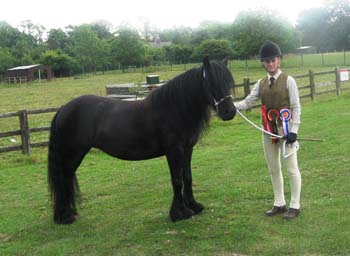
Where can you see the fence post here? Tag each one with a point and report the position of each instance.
(302, 60)
(312, 84)
(23, 122)
(337, 81)
(246, 87)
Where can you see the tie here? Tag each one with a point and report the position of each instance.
(272, 80)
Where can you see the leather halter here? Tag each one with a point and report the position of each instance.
(216, 102)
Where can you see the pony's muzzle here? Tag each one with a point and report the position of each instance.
(228, 114)
(225, 108)
(227, 111)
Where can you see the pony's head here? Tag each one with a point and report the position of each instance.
(218, 84)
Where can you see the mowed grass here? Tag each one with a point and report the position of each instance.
(125, 204)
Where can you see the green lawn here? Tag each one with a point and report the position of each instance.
(125, 204)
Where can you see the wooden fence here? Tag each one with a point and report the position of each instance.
(24, 130)
(17, 79)
(311, 87)
(334, 86)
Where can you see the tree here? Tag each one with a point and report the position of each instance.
(339, 24)
(127, 48)
(215, 48)
(62, 64)
(327, 28)
(22, 49)
(103, 29)
(211, 30)
(251, 29)
(7, 60)
(58, 40)
(149, 32)
(178, 35)
(313, 24)
(176, 53)
(87, 48)
(8, 35)
(14, 43)
(34, 31)
(153, 55)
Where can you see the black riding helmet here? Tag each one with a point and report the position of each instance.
(269, 50)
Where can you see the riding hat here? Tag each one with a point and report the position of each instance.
(269, 50)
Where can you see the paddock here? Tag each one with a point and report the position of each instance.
(122, 216)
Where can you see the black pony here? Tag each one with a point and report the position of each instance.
(168, 122)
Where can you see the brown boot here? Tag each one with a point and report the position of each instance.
(291, 214)
(276, 210)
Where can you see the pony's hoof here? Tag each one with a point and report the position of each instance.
(196, 207)
(181, 214)
(66, 219)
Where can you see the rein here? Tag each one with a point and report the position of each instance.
(257, 127)
(295, 144)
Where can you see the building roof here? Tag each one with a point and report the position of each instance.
(304, 47)
(25, 67)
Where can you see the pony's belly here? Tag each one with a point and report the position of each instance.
(133, 155)
(132, 149)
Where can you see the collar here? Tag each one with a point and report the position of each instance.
(278, 73)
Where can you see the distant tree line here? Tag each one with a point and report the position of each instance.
(98, 46)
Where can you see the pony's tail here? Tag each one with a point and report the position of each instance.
(63, 185)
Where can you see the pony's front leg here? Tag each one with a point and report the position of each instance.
(178, 210)
(189, 200)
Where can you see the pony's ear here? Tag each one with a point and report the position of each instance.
(206, 62)
(225, 61)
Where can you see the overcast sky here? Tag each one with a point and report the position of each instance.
(160, 13)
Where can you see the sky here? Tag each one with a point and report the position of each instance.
(161, 14)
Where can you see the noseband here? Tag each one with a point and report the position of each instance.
(216, 102)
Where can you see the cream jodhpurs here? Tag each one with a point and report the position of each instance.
(273, 159)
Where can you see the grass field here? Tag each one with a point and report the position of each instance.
(125, 204)
(301, 61)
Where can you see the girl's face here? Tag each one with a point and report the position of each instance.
(271, 66)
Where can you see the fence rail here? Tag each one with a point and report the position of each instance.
(312, 85)
(17, 79)
(25, 131)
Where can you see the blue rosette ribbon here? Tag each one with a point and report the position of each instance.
(285, 116)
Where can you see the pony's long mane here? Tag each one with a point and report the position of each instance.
(184, 100)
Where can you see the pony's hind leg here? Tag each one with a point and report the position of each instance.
(64, 185)
(187, 179)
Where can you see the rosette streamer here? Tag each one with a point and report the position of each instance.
(285, 116)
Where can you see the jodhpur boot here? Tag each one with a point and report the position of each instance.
(276, 210)
(291, 214)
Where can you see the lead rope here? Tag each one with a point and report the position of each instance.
(295, 144)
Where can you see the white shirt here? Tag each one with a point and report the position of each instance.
(294, 101)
